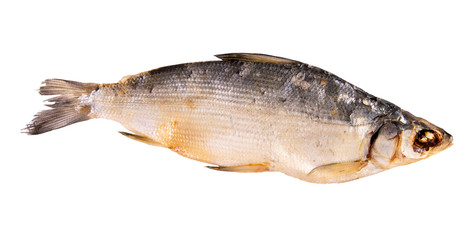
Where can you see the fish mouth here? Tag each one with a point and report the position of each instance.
(450, 141)
(447, 142)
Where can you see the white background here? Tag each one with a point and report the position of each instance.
(87, 181)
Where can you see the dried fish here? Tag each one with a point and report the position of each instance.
(252, 113)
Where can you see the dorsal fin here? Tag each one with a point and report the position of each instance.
(254, 57)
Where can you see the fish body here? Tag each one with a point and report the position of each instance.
(252, 113)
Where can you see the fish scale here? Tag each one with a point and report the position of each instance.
(253, 113)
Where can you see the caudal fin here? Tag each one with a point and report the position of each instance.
(66, 108)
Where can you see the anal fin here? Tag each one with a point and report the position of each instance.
(259, 167)
(337, 172)
(142, 139)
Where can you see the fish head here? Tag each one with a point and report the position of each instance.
(421, 139)
(407, 140)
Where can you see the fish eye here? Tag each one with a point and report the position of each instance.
(426, 139)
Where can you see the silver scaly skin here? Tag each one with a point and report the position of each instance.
(253, 113)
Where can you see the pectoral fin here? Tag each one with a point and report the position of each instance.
(142, 139)
(337, 172)
(260, 167)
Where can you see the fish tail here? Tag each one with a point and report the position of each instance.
(68, 107)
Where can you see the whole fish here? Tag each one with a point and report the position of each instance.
(252, 113)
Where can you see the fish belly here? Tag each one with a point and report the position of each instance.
(224, 133)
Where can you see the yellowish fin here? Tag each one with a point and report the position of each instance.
(335, 171)
(260, 167)
(142, 139)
